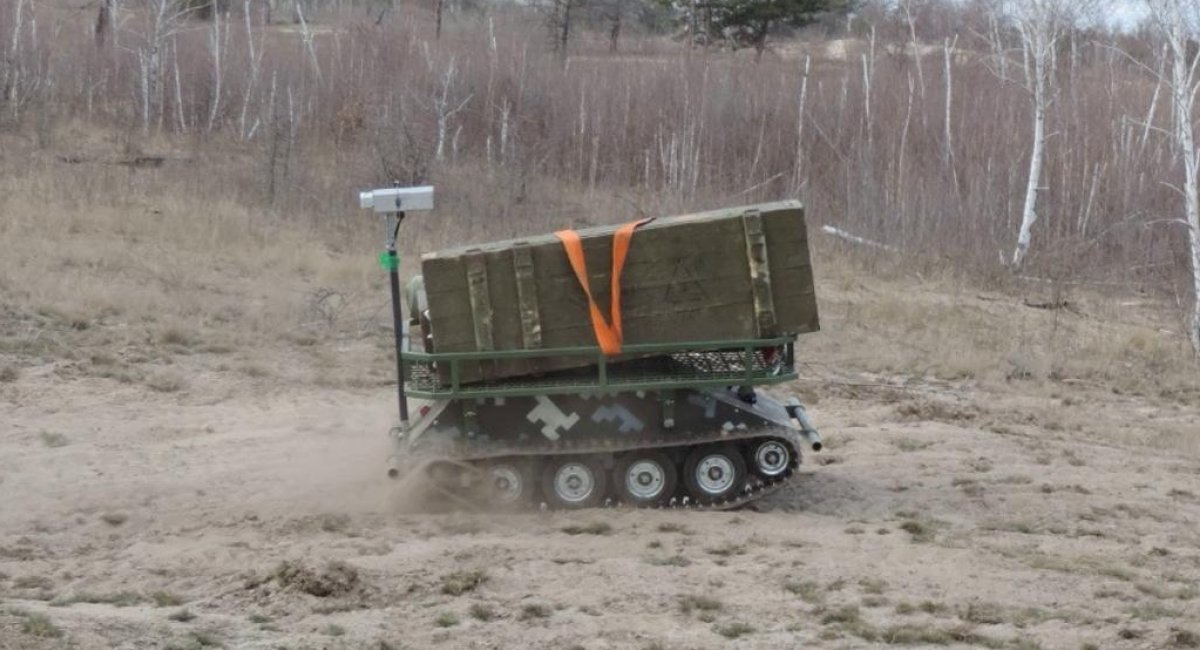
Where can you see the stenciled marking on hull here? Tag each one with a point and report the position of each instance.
(709, 404)
(551, 417)
(629, 422)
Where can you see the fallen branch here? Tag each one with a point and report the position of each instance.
(855, 239)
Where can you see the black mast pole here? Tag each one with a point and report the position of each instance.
(393, 264)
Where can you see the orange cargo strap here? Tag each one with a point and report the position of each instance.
(608, 336)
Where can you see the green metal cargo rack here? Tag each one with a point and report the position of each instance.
(640, 367)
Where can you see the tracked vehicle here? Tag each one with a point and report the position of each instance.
(667, 424)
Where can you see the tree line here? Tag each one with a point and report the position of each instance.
(1016, 137)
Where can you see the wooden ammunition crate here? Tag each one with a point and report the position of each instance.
(738, 273)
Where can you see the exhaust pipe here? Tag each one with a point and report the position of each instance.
(796, 410)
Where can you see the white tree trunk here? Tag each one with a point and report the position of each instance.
(12, 70)
(214, 44)
(255, 60)
(1183, 89)
(144, 68)
(1193, 220)
(178, 87)
(948, 151)
(798, 165)
(1175, 19)
(1029, 213)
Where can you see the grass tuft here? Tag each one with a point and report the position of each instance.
(482, 612)
(726, 549)
(334, 523)
(984, 614)
(808, 590)
(847, 614)
(921, 532)
(1181, 638)
(702, 603)
(166, 382)
(1153, 612)
(337, 578)
(535, 610)
(875, 586)
(734, 629)
(53, 440)
(460, 582)
(40, 625)
(166, 599)
(672, 560)
(204, 639)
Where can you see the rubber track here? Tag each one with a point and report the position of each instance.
(756, 487)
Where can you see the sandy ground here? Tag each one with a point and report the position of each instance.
(939, 514)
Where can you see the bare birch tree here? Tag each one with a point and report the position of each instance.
(215, 47)
(444, 111)
(1178, 22)
(254, 58)
(1039, 25)
(165, 19)
(12, 70)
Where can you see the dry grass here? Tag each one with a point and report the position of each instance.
(155, 273)
(535, 611)
(54, 439)
(698, 602)
(734, 629)
(482, 612)
(40, 625)
(335, 579)
(808, 590)
(921, 531)
(167, 599)
(461, 582)
(149, 291)
(676, 560)
(116, 598)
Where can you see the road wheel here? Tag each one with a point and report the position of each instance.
(645, 478)
(714, 473)
(509, 483)
(573, 482)
(770, 459)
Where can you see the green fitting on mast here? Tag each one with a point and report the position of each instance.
(388, 261)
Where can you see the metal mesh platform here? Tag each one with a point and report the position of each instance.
(738, 363)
